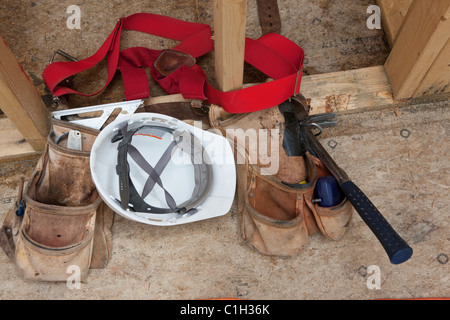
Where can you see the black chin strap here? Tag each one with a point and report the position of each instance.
(130, 198)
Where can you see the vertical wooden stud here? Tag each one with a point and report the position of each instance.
(20, 101)
(437, 79)
(420, 40)
(392, 14)
(229, 42)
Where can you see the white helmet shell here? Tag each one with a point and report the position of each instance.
(197, 181)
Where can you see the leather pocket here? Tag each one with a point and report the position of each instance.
(276, 219)
(52, 238)
(333, 222)
(66, 222)
(271, 236)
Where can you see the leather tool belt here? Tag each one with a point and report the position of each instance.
(65, 222)
(276, 208)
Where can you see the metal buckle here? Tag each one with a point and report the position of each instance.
(56, 100)
(296, 82)
(62, 53)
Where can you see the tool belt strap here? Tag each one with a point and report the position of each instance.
(276, 56)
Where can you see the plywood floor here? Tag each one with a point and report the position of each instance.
(406, 178)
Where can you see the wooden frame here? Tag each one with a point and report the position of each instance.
(418, 65)
(229, 42)
(417, 30)
(392, 14)
(22, 105)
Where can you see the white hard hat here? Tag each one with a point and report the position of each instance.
(158, 170)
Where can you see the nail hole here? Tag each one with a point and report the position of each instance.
(405, 133)
(442, 258)
(332, 144)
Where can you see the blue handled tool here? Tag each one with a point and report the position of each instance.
(329, 193)
(20, 204)
(396, 248)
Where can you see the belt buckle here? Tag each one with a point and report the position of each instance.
(299, 72)
(61, 103)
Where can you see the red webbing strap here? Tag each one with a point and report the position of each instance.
(195, 40)
(195, 37)
(277, 57)
(58, 71)
(188, 81)
(274, 55)
(131, 65)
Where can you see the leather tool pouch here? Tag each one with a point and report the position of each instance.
(65, 222)
(275, 201)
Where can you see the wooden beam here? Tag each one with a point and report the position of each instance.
(348, 90)
(420, 40)
(437, 78)
(229, 42)
(392, 14)
(13, 145)
(20, 101)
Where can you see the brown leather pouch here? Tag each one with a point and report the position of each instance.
(275, 201)
(277, 219)
(334, 221)
(65, 222)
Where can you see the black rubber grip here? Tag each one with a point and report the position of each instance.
(396, 248)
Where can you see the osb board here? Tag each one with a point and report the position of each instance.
(398, 160)
(334, 36)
